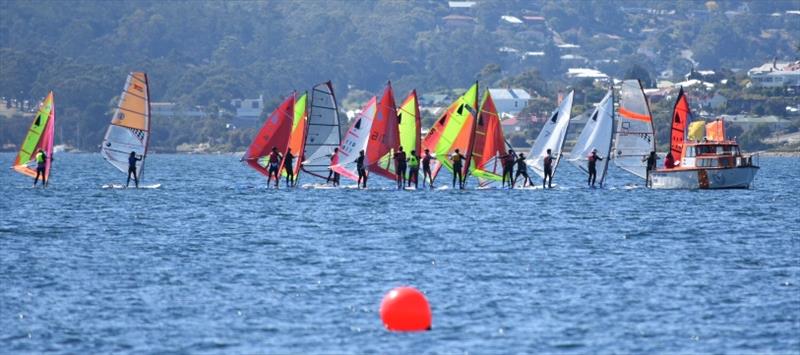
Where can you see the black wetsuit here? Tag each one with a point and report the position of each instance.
(400, 168)
(548, 172)
(362, 173)
(273, 165)
(522, 169)
(426, 170)
(288, 166)
(593, 168)
(132, 171)
(651, 165)
(457, 166)
(508, 169)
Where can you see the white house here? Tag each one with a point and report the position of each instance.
(510, 101)
(248, 109)
(776, 74)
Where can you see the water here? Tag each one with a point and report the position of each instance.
(213, 262)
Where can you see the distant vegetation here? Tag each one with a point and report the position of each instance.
(208, 52)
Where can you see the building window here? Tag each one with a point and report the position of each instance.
(254, 104)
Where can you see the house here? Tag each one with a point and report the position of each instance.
(749, 121)
(511, 19)
(776, 74)
(461, 4)
(459, 21)
(702, 75)
(716, 101)
(248, 111)
(508, 100)
(586, 73)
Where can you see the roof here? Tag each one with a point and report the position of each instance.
(775, 66)
(568, 45)
(458, 18)
(510, 122)
(585, 73)
(574, 57)
(533, 18)
(461, 4)
(509, 94)
(511, 19)
(754, 119)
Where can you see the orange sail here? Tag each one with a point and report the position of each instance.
(384, 137)
(489, 144)
(455, 129)
(297, 139)
(681, 116)
(715, 131)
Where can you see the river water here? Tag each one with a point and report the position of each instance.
(214, 262)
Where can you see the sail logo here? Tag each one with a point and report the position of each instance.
(138, 87)
(120, 116)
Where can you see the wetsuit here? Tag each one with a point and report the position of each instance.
(651, 165)
(508, 168)
(669, 162)
(132, 170)
(400, 168)
(522, 169)
(41, 159)
(362, 173)
(548, 172)
(332, 173)
(274, 163)
(288, 166)
(426, 170)
(593, 158)
(457, 166)
(413, 170)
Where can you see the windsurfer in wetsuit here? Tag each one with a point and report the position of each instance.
(132, 159)
(273, 166)
(400, 167)
(426, 168)
(458, 162)
(593, 158)
(41, 165)
(413, 169)
(508, 161)
(522, 169)
(651, 160)
(548, 170)
(288, 166)
(362, 172)
(331, 173)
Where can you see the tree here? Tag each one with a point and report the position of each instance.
(639, 72)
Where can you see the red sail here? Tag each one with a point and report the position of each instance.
(384, 137)
(274, 133)
(489, 143)
(681, 115)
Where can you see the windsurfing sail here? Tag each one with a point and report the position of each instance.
(552, 136)
(489, 145)
(39, 137)
(297, 139)
(681, 116)
(384, 137)
(356, 140)
(274, 133)
(635, 135)
(409, 123)
(324, 131)
(129, 130)
(597, 134)
(454, 129)
(715, 131)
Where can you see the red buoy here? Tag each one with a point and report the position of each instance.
(405, 309)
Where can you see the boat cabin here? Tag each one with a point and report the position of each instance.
(723, 154)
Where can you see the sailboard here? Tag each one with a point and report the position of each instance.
(454, 129)
(597, 134)
(274, 132)
(409, 124)
(634, 137)
(40, 137)
(681, 117)
(324, 131)
(552, 136)
(489, 145)
(356, 140)
(384, 137)
(129, 130)
(297, 138)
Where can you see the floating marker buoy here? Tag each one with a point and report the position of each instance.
(405, 309)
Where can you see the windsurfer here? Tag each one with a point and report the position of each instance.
(132, 159)
(593, 158)
(458, 159)
(274, 162)
(362, 172)
(669, 161)
(332, 174)
(288, 166)
(426, 168)
(508, 167)
(400, 167)
(548, 170)
(522, 169)
(41, 159)
(651, 164)
(413, 169)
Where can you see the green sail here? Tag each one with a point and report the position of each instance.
(29, 146)
(408, 125)
(299, 110)
(458, 132)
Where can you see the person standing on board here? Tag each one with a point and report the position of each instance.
(332, 173)
(272, 166)
(522, 169)
(651, 160)
(458, 162)
(548, 170)
(132, 159)
(288, 166)
(41, 165)
(593, 158)
(400, 167)
(508, 161)
(426, 168)
(413, 169)
(669, 161)
(362, 172)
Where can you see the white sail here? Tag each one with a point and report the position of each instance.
(356, 140)
(324, 130)
(635, 135)
(597, 134)
(130, 126)
(552, 137)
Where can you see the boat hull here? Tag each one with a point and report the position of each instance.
(704, 178)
